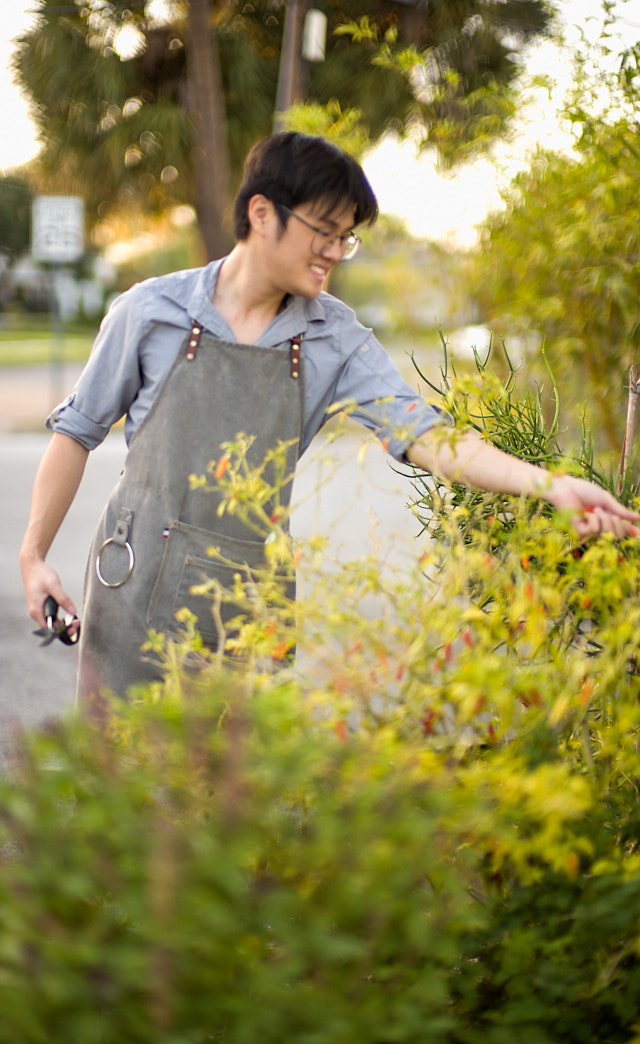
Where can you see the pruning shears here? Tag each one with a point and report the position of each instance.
(55, 628)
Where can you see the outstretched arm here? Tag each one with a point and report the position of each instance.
(55, 487)
(467, 458)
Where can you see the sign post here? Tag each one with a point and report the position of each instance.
(57, 237)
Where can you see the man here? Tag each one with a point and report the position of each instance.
(248, 344)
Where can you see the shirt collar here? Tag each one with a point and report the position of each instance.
(294, 319)
(195, 295)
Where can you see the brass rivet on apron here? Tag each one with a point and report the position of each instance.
(196, 330)
(295, 356)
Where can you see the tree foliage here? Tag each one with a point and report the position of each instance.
(561, 260)
(15, 214)
(446, 72)
(122, 130)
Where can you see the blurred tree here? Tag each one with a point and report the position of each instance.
(158, 101)
(15, 214)
(205, 106)
(121, 119)
(444, 70)
(563, 258)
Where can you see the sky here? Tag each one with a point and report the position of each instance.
(444, 208)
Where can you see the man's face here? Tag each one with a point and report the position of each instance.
(310, 246)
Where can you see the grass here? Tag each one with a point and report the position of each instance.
(30, 341)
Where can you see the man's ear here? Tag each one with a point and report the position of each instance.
(260, 213)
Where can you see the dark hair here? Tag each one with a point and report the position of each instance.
(291, 168)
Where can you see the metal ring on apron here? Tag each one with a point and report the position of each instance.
(119, 583)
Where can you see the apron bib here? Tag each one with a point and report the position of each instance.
(151, 544)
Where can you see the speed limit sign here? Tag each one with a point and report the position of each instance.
(57, 230)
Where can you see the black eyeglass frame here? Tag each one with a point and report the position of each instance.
(349, 243)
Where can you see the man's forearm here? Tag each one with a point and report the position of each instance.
(55, 487)
(465, 457)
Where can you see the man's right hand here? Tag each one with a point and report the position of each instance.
(55, 486)
(40, 581)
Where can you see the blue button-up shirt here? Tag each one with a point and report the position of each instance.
(141, 335)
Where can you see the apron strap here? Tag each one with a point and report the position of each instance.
(295, 356)
(194, 341)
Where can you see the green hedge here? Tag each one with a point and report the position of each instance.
(221, 866)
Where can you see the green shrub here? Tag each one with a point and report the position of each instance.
(217, 868)
(432, 835)
(561, 258)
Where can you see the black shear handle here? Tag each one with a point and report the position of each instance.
(50, 615)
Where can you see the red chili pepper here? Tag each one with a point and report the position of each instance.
(341, 731)
(221, 467)
(428, 722)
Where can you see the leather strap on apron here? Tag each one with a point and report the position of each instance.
(152, 544)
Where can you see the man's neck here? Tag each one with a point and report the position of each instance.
(245, 297)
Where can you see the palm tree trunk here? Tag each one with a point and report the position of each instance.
(291, 78)
(206, 110)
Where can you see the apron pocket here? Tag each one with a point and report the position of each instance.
(187, 564)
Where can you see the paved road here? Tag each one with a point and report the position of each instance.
(36, 683)
(359, 507)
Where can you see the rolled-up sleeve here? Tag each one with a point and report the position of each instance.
(111, 379)
(376, 395)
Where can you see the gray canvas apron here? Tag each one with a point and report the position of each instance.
(151, 544)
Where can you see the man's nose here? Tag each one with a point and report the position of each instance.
(333, 250)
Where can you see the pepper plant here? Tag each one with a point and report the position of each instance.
(427, 827)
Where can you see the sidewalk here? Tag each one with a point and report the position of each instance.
(28, 393)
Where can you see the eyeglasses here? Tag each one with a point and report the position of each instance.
(349, 243)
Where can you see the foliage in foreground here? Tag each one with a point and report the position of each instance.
(426, 831)
(562, 257)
